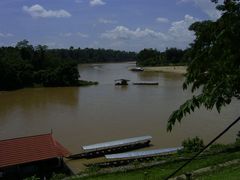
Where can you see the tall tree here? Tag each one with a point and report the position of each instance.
(215, 62)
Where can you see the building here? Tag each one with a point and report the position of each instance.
(33, 155)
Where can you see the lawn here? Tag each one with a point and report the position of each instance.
(162, 171)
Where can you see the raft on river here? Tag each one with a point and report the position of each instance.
(100, 149)
(121, 82)
(126, 158)
(145, 83)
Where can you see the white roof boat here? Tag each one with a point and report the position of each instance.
(142, 154)
(116, 143)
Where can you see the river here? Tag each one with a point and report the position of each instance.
(85, 115)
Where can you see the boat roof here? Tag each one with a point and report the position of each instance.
(139, 154)
(110, 144)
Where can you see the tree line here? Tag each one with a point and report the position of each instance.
(26, 66)
(153, 57)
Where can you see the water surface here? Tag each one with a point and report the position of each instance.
(86, 115)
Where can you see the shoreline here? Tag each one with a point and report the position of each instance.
(167, 69)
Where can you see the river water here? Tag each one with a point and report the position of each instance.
(85, 115)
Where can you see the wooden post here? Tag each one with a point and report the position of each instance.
(188, 176)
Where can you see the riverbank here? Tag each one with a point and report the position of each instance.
(209, 163)
(167, 69)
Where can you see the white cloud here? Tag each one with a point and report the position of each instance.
(5, 35)
(82, 35)
(97, 2)
(179, 32)
(162, 20)
(39, 11)
(106, 21)
(206, 6)
(122, 32)
(177, 35)
(70, 34)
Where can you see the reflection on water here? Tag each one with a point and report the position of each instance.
(86, 115)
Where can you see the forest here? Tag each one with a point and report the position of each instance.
(153, 57)
(27, 66)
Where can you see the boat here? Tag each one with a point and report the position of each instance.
(145, 83)
(137, 69)
(121, 82)
(126, 158)
(142, 154)
(117, 146)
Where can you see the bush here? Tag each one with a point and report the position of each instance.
(238, 138)
(193, 145)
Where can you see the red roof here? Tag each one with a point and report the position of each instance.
(29, 149)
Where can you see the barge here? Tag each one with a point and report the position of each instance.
(145, 83)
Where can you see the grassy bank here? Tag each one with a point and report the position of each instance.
(229, 173)
(210, 159)
(168, 69)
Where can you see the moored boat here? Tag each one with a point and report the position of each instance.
(137, 69)
(121, 82)
(145, 83)
(118, 146)
(126, 158)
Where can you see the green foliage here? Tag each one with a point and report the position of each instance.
(215, 65)
(26, 66)
(65, 74)
(32, 178)
(238, 139)
(58, 176)
(152, 57)
(193, 145)
(148, 57)
(89, 55)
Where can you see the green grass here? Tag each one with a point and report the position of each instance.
(229, 173)
(162, 171)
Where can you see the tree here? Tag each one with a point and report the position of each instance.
(148, 57)
(174, 55)
(215, 62)
(25, 48)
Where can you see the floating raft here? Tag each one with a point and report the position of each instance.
(126, 158)
(145, 83)
(120, 82)
(111, 147)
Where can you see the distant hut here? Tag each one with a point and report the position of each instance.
(120, 82)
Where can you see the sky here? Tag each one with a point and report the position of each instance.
(130, 25)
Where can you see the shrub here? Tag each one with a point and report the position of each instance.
(193, 145)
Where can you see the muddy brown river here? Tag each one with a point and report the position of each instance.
(85, 115)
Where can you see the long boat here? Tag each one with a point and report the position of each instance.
(145, 83)
(126, 158)
(117, 146)
(142, 154)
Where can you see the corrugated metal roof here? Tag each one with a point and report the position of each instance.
(116, 143)
(138, 154)
(29, 149)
